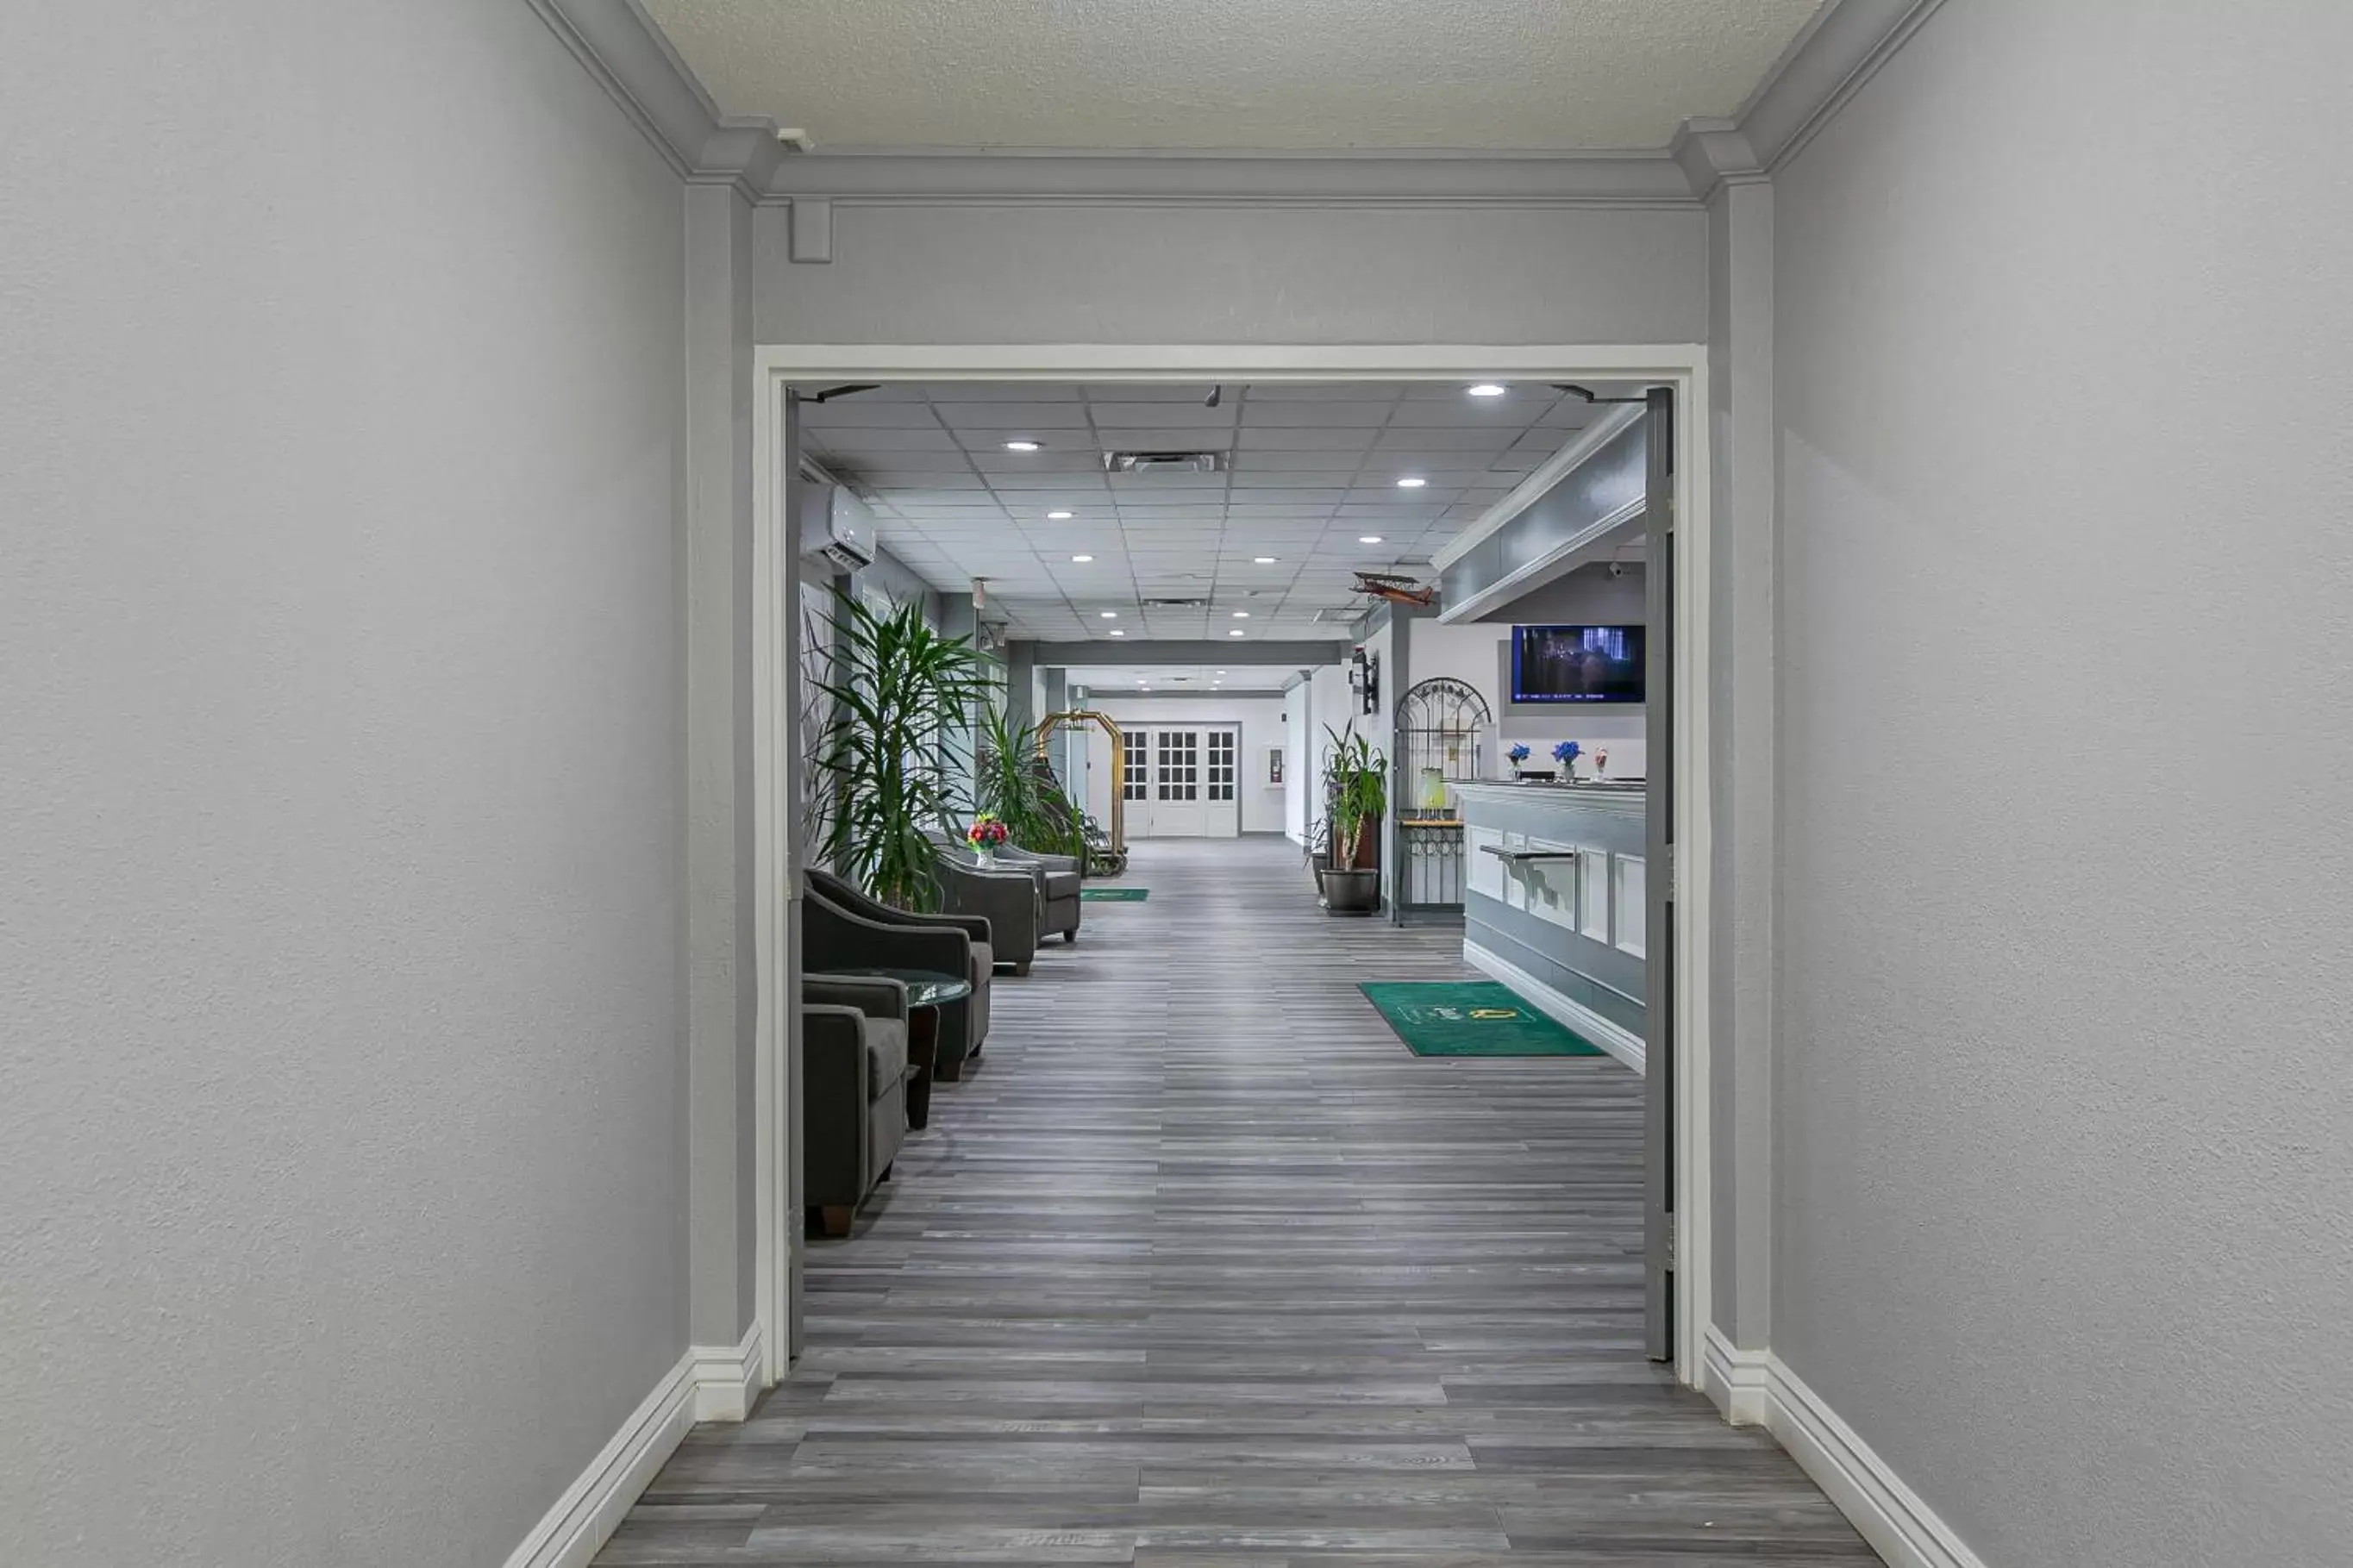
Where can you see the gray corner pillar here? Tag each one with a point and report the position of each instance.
(1021, 668)
(960, 744)
(714, 564)
(1744, 547)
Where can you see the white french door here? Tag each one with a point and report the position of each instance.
(1183, 781)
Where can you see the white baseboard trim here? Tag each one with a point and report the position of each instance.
(592, 1507)
(728, 1378)
(1570, 1015)
(1738, 1381)
(1754, 1388)
(709, 1383)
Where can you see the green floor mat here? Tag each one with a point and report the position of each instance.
(1114, 895)
(1470, 1018)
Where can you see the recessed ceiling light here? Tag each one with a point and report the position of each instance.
(1263, 560)
(1060, 515)
(1368, 538)
(1021, 446)
(1082, 560)
(1411, 482)
(1215, 684)
(1241, 615)
(1222, 672)
(1117, 633)
(1235, 633)
(1487, 389)
(1111, 615)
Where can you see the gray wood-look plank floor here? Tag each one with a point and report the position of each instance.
(1203, 1269)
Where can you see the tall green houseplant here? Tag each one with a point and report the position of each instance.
(1356, 786)
(895, 687)
(1020, 788)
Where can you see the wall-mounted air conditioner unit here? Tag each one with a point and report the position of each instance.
(837, 527)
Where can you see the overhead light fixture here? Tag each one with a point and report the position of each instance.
(1060, 515)
(1222, 672)
(1082, 560)
(1487, 389)
(1263, 560)
(1368, 538)
(1021, 446)
(1117, 633)
(1109, 615)
(1235, 633)
(1411, 482)
(1241, 615)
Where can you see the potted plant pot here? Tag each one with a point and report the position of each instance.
(1351, 892)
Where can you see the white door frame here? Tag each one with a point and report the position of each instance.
(1683, 366)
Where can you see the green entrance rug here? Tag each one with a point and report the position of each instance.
(1114, 895)
(1470, 1018)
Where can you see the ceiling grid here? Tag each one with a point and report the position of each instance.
(1310, 477)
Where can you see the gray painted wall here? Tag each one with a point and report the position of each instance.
(1141, 274)
(340, 660)
(2063, 1219)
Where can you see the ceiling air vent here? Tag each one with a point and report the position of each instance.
(1165, 462)
(1176, 604)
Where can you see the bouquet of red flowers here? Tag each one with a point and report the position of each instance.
(986, 833)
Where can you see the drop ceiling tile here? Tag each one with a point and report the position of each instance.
(1325, 391)
(1308, 440)
(1163, 415)
(873, 442)
(998, 392)
(1316, 412)
(1479, 442)
(851, 413)
(1163, 439)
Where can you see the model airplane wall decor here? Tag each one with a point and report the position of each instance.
(1396, 590)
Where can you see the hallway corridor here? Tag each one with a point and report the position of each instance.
(1202, 1267)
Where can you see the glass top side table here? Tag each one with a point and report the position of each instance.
(928, 990)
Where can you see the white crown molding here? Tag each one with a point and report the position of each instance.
(633, 62)
(630, 57)
(1713, 153)
(1843, 49)
(1395, 179)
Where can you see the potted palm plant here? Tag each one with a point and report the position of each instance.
(895, 688)
(1356, 796)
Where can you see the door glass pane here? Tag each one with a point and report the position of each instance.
(1137, 777)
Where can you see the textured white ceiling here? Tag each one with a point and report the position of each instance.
(1299, 75)
(1315, 472)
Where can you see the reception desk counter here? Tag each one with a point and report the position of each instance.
(1555, 901)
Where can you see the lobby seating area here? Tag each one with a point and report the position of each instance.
(896, 1000)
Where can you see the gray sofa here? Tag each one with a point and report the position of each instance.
(854, 1091)
(843, 928)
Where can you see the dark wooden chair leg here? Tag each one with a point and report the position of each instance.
(1022, 967)
(834, 1219)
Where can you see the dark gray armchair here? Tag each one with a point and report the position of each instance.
(1005, 897)
(1057, 887)
(842, 928)
(854, 1091)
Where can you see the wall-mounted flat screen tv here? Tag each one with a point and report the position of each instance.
(1577, 664)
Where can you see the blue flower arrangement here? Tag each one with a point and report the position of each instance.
(1566, 753)
(1518, 753)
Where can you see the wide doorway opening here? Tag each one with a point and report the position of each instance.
(1177, 539)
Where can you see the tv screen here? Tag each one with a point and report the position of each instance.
(1577, 664)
